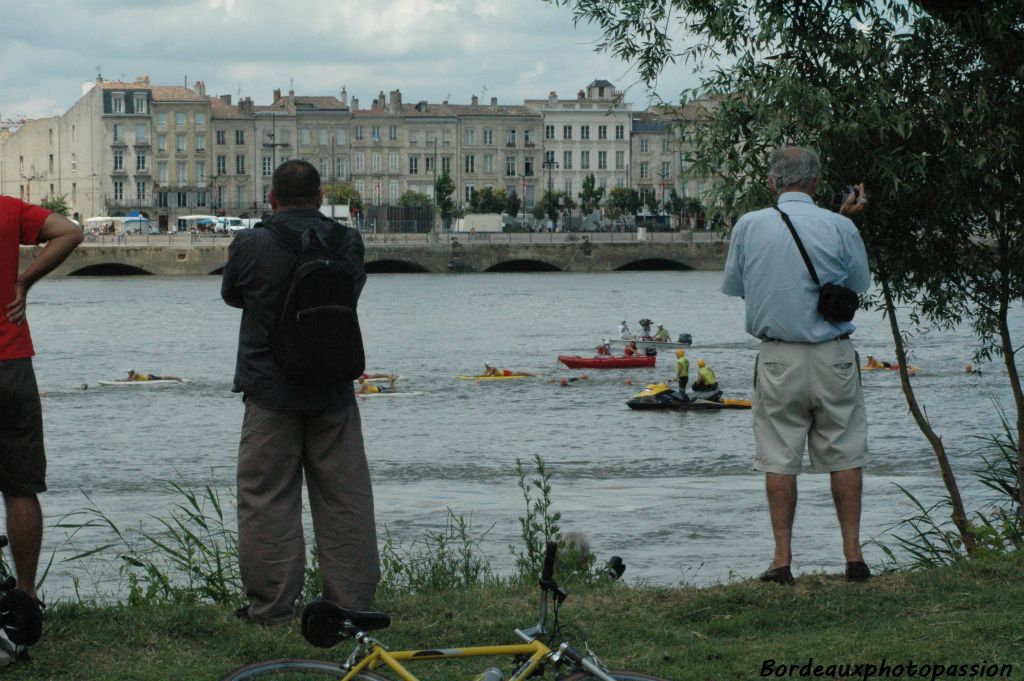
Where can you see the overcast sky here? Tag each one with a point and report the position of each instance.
(429, 49)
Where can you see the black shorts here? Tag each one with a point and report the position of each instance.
(22, 456)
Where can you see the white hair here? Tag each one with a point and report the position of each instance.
(793, 167)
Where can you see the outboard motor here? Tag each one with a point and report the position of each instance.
(651, 352)
(685, 339)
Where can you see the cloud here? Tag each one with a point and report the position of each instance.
(427, 48)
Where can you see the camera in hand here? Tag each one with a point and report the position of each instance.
(842, 197)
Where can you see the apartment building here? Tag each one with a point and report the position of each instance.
(586, 135)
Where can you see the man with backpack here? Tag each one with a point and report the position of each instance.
(297, 277)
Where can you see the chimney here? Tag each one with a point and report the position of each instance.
(344, 96)
(376, 103)
(581, 95)
(396, 102)
(474, 101)
(355, 104)
(226, 99)
(291, 98)
(277, 94)
(381, 102)
(552, 98)
(246, 106)
(494, 102)
(422, 105)
(200, 88)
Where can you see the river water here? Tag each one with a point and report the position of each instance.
(674, 494)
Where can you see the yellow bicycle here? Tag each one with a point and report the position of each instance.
(326, 624)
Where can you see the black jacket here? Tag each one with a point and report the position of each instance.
(256, 278)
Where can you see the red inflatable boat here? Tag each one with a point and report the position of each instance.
(577, 362)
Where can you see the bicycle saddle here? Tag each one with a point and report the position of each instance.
(326, 624)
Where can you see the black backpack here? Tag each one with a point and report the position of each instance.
(316, 340)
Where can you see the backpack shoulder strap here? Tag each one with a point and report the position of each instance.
(800, 245)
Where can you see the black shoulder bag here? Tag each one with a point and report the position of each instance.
(835, 303)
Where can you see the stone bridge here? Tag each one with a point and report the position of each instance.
(192, 259)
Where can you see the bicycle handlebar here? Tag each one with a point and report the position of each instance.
(549, 563)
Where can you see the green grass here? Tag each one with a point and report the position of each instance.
(966, 613)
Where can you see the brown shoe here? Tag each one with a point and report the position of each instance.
(780, 575)
(857, 571)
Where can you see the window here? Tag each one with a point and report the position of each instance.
(140, 133)
(665, 146)
(200, 142)
(117, 103)
(161, 200)
(268, 166)
(182, 176)
(584, 132)
(414, 165)
(222, 137)
(323, 137)
(584, 160)
(375, 133)
(470, 166)
(620, 182)
(620, 132)
(161, 143)
(549, 132)
(446, 136)
(567, 132)
(393, 160)
(470, 191)
(510, 137)
(118, 132)
(303, 135)
(179, 119)
(602, 160)
(431, 137)
(528, 137)
(666, 169)
(360, 187)
(429, 164)
(528, 166)
(119, 191)
(239, 195)
(549, 159)
(644, 146)
(118, 161)
(375, 165)
(568, 187)
(201, 199)
(567, 160)
(510, 166)
(393, 190)
(161, 172)
(359, 132)
(200, 172)
(140, 190)
(140, 163)
(645, 171)
(74, 163)
(240, 164)
(359, 158)
(620, 160)
(200, 118)
(222, 164)
(182, 199)
(414, 137)
(239, 136)
(161, 120)
(488, 136)
(266, 194)
(446, 165)
(393, 133)
(339, 166)
(602, 132)
(488, 163)
(339, 136)
(179, 142)
(469, 136)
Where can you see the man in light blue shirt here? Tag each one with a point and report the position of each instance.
(807, 390)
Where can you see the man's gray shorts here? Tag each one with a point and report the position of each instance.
(22, 456)
(809, 395)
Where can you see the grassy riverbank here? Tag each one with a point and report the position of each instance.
(966, 614)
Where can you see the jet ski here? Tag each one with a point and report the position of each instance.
(660, 396)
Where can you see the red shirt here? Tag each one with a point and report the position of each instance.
(20, 223)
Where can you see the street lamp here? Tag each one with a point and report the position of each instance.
(550, 164)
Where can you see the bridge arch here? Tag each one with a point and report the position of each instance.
(394, 266)
(109, 269)
(652, 264)
(523, 265)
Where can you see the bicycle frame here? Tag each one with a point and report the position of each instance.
(393, 660)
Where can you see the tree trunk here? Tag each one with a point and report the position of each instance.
(948, 477)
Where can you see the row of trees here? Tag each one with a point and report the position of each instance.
(923, 100)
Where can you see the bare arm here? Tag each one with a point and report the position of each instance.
(61, 236)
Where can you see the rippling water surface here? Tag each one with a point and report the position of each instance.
(673, 493)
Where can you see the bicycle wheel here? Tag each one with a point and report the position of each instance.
(615, 674)
(294, 669)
